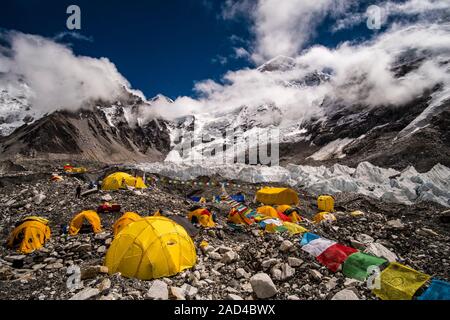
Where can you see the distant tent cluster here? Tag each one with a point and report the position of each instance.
(284, 217)
(68, 168)
(122, 180)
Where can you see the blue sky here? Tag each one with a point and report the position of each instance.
(159, 46)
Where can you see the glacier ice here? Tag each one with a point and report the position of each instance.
(406, 187)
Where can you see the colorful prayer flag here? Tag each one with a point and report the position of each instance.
(334, 256)
(438, 290)
(357, 265)
(317, 246)
(399, 282)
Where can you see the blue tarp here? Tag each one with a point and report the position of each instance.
(262, 224)
(308, 237)
(251, 214)
(238, 197)
(195, 199)
(438, 290)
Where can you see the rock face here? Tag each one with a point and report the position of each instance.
(377, 249)
(295, 262)
(263, 286)
(287, 271)
(158, 291)
(92, 271)
(286, 245)
(177, 293)
(86, 294)
(343, 132)
(8, 166)
(229, 257)
(345, 295)
(232, 296)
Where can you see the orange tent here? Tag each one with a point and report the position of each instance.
(125, 220)
(91, 217)
(291, 212)
(203, 216)
(30, 235)
(268, 211)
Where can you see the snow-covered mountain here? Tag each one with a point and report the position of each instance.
(106, 131)
(15, 109)
(412, 133)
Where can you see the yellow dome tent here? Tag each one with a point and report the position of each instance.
(324, 216)
(277, 196)
(123, 221)
(120, 180)
(151, 248)
(91, 217)
(268, 211)
(30, 235)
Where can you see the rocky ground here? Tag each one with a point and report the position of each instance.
(229, 268)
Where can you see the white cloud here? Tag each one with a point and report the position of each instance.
(220, 59)
(285, 27)
(57, 77)
(241, 53)
(281, 27)
(237, 40)
(75, 35)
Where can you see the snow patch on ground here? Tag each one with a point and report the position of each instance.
(15, 109)
(405, 187)
(334, 149)
(423, 120)
(110, 114)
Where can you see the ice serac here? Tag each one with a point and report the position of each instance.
(406, 187)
